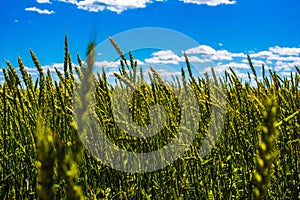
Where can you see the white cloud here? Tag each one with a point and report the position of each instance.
(256, 63)
(164, 53)
(113, 64)
(221, 68)
(202, 49)
(28, 69)
(111, 67)
(40, 11)
(199, 60)
(222, 55)
(261, 54)
(164, 57)
(290, 51)
(214, 54)
(282, 58)
(51, 67)
(110, 74)
(239, 55)
(139, 62)
(91, 6)
(169, 57)
(236, 65)
(240, 69)
(287, 74)
(286, 66)
(117, 6)
(107, 64)
(166, 73)
(243, 76)
(59, 66)
(209, 2)
(69, 1)
(43, 1)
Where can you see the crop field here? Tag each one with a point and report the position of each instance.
(256, 156)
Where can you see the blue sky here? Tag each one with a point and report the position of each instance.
(225, 31)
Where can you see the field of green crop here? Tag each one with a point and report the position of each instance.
(257, 155)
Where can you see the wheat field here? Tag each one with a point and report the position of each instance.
(257, 155)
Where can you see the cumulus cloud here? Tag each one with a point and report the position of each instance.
(209, 2)
(226, 59)
(107, 64)
(287, 74)
(256, 63)
(32, 71)
(261, 54)
(117, 6)
(199, 60)
(222, 55)
(239, 70)
(69, 1)
(236, 65)
(166, 73)
(43, 1)
(245, 77)
(59, 66)
(40, 11)
(214, 54)
(164, 57)
(202, 49)
(285, 66)
(283, 58)
(285, 50)
(169, 57)
(277, 52)
(239, 55)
